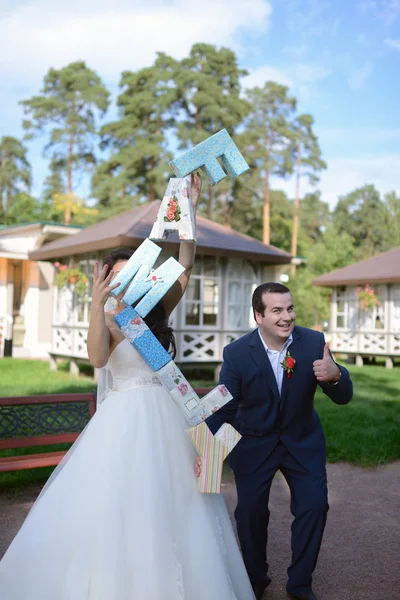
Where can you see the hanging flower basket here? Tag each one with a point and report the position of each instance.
(367, 298)
(71, 277)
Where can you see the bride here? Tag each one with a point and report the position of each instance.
(121, 517)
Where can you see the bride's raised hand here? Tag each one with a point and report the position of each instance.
(195, 188)
(102, 285)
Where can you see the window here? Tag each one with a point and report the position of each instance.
(346, 308)
(374, 319)
(83, 303)
(395, 296)
(350, 316)
(341, 316)
(242, 280)
(201, 300)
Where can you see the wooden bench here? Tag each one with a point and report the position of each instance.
(29, 421)
(61, 417)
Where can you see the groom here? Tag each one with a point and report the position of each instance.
(272, 374)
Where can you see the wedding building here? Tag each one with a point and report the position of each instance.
(216, 308)
(26, 288)
(365, 307)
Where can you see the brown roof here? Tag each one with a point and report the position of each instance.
(384, 268)
(132, 227)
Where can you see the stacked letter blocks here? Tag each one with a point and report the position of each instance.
(141, 260)
(213, 450)
(175, 212)
(195, 409)
(146, 287)
(136, 331)
(205, 156)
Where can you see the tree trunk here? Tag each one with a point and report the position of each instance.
(152, 191)
(3, 190)
(266, 233)
(197, 123)
(210, 202)
(226, 211)
(296, 208)
(68, 206)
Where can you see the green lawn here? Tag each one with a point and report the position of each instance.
(31, 377)
(365, 432)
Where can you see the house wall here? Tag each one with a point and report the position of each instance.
(36, 309)
(375, 333)
(46, 271)
(273, 272)
(31, 329)
(29, 322)
(215, 310)
(4, 325)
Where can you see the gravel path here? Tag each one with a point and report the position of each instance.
(360, 554)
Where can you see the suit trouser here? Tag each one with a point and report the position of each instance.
(309, 506)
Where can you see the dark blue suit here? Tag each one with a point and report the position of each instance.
(280, 431)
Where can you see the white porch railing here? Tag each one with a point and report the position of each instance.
(70, 341)
(367, 343)
(192, 345)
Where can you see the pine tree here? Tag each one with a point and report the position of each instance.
(137, 166)
(15, 173)
(66, 110)
(269, 137)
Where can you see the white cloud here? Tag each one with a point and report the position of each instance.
(297, 76)
(303, 73)
(343, 175)
(359, 76)
(296, 50)
(361, 134)
(110, 36)
(307, 18)
(301, 78)
(259, 76)
(393, 44)
(117, 36)
(387, 11)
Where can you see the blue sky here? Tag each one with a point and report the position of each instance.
(340, 58)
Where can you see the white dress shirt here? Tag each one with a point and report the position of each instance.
(275, 358)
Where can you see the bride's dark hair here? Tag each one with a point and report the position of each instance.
(156, 320)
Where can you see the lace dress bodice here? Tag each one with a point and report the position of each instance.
(129, 370)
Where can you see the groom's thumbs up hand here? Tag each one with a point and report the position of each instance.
(325, 369)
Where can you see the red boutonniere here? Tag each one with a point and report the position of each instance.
(288, 364)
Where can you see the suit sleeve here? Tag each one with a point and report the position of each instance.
(231, 379)
(342, 392)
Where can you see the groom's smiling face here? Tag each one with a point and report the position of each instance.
(279, 316)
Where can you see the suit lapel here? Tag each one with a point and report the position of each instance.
(260, 357)
(295, 350)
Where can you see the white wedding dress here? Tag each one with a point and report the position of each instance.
(122, 518)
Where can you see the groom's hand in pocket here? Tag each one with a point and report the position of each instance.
(197, 466)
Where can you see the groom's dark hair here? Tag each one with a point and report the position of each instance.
(266, 288)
